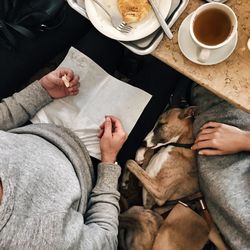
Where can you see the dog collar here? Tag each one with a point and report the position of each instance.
(174, 144)
(180, 145)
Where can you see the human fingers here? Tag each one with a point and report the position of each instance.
(117, 125)
(114, 119)
(211, 152)
(102, 125)
(101, 130)
(73, 92)
(75, 81)
(207, 131)
(107, 127)
(204, 137)
(204, 144)
(65, 71)
(74, 87)
(211, 125)
(119, 131)
(52, 78)
(100, 134)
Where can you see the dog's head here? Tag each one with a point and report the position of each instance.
(172, 126)
(138, 228)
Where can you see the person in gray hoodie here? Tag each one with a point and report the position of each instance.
(49, 196)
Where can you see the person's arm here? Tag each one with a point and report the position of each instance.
(22, 106)
(221, 139)
(96, 229)
(101, 218)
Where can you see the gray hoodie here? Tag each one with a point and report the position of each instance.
(51, 199)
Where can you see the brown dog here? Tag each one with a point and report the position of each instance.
(138, 228)
(168, 172)
(171, 172)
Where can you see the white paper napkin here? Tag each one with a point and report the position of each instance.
(100, 94)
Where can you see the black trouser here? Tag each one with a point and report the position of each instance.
(19, 65)
(155, 77)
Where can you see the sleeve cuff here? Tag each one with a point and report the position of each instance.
(108, 175)
(33, 98)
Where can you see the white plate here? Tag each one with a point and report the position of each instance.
(101, 20)
(190, 49)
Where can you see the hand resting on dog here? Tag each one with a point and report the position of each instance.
(221, 139)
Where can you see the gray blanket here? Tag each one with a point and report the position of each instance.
(225, 180)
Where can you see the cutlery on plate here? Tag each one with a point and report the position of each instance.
(161, 19)
(116, 19)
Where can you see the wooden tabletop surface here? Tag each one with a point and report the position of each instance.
(229, 79)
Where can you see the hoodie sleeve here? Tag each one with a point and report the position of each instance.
(103, 209)
(22, 106)
(97, 229)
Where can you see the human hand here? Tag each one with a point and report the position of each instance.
(55, 86)
(112, 137)
(219, 139)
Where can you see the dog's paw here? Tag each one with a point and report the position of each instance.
(140, 155)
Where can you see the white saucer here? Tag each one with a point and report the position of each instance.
(190, 49)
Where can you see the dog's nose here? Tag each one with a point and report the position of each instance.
(144, 143)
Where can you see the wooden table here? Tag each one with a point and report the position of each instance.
(230, 79)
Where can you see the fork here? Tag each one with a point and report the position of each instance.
(116, 20)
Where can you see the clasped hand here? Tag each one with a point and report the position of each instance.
(112, 137)
(55, 86)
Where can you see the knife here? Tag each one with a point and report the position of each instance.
(161, 19)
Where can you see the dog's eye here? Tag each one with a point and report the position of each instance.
(157, 127)
(161, 124)
(160, 127)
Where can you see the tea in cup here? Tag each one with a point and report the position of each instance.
(212, 26)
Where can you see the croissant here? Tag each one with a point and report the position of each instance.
(133, 10)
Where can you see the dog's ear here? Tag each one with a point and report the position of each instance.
(189, 112)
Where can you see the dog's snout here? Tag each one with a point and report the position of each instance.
(144, 143)
(149, 140)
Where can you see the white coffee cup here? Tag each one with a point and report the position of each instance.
(205, 50)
